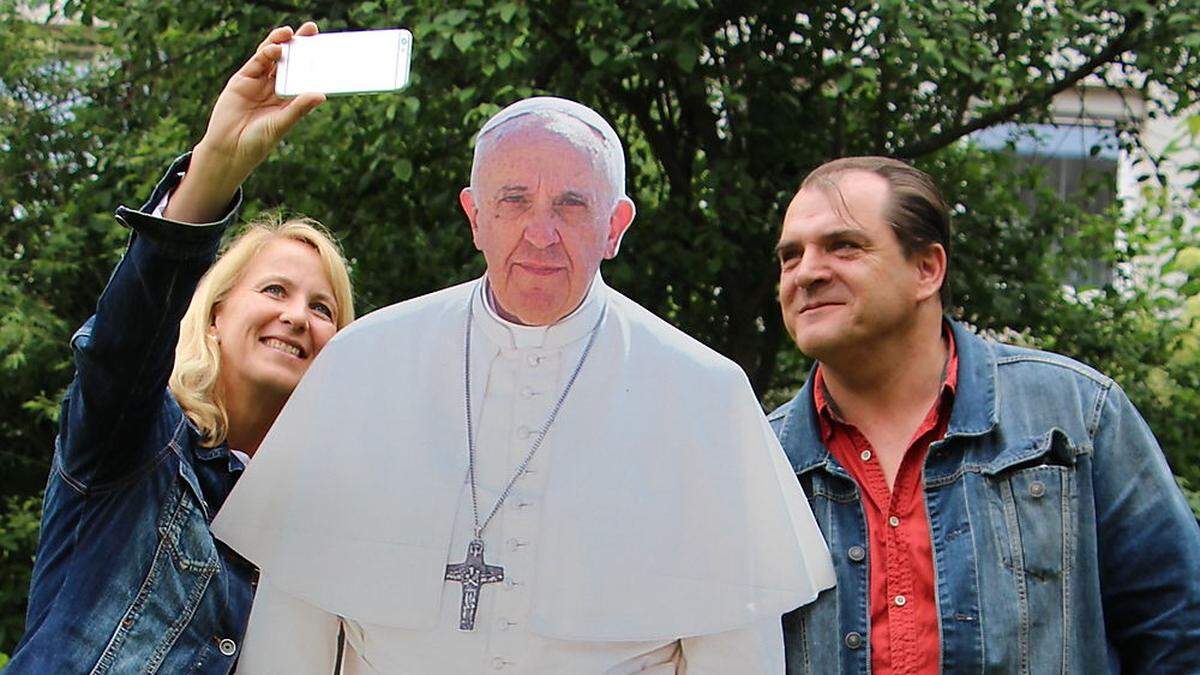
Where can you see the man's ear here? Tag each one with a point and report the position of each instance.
(467, 200)
(930, 263)
(618, 224)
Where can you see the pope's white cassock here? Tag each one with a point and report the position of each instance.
(658, 529)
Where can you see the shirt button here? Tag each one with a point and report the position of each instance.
(1037, 488)
(866, 457)
(228, 647)
(854, 640)
(894, 521)
(901, 600)
(856, 553)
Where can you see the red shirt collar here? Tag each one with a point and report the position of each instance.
(827, 414)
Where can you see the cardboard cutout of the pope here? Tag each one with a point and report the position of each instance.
(526, 473)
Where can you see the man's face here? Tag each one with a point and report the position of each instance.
(844, 280)
(542, 213)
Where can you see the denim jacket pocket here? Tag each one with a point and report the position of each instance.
(185, 561)
(1031, 506)
(1032, 490)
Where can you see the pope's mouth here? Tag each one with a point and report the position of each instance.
(807, 309)
(540, 270)
(280, 345)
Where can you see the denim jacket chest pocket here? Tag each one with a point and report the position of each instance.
(1030, 509)
(1031, 505)
(184, 564)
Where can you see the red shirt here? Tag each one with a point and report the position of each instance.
(904, 613)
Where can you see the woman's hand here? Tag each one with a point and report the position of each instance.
(247, 121)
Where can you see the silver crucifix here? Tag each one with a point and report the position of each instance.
(472, 573)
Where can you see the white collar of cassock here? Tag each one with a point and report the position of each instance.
(572, 327)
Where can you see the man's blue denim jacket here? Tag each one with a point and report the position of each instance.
(128, 578)
(1061, 543)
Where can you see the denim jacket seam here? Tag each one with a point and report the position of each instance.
(1078, 369)
(1097, 413)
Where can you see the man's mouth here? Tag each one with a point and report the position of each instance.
(815, 306)
(280, 345)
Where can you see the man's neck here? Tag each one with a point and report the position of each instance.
(894, 380)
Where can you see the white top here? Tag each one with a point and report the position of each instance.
(659, 507)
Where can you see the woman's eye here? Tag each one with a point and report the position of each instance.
(274, 289)
(323, 309)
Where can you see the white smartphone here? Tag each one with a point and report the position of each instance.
(349, 62)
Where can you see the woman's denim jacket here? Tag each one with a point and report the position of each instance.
(128, 578)
(1061, 543)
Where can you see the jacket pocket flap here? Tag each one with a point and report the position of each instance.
(1051, 448)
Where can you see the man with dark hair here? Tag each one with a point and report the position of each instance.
(988, 508)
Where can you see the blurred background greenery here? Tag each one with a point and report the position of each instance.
(1062, 132)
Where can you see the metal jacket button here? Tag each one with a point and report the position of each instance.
(228, 647)
(1037, 488)
(854, 639)
(856, 553)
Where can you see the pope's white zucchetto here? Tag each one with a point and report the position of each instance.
(612, 153)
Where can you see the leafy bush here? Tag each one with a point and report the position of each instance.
(19, 522)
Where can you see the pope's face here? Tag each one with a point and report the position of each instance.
(543, 214)
(845, 281)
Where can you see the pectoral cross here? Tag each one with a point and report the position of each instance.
(472, 573)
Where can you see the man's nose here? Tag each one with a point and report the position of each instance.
(812, 270)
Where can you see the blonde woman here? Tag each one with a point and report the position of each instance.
(163, 415)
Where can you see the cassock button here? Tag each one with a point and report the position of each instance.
(856, 553)
(515, 544)
(524, 432)
(505, 624)
(228, 647)
(534, 360)
(510, 584)
(528, 392)
(499, 663)
(854, 639)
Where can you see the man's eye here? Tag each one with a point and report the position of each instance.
(571, 201)
(512, 199)
(843, 246)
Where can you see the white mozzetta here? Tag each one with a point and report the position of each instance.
(659, 507)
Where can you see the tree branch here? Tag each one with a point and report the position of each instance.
(1119, 45)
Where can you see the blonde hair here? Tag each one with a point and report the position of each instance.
(198, 357)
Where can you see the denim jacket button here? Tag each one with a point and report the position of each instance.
(228, 647)
(1037, 488)
(854, 639)
(856, 553)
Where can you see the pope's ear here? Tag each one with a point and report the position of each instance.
(618, 224)
(467, 201)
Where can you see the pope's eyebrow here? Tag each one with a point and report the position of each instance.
(513, 187)
(571, 194)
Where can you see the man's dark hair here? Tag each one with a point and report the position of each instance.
(915, 209)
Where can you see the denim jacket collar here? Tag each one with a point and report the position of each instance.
(974, 412)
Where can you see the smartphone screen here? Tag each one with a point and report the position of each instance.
(349, 62)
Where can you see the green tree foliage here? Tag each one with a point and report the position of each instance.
(723, 109)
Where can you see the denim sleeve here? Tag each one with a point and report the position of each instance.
(1149, 547)
(124, 353)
